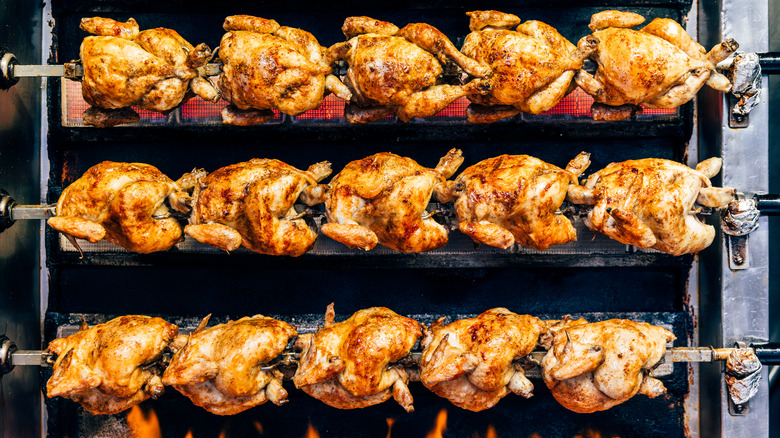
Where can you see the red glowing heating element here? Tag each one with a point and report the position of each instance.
(197, 111)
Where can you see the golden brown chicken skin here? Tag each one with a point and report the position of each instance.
(471, 362)
(251, 204)
(650, 203)
(659, 66)
(383, 199)
(347, 364)
(594, 366)
(532, 65)
(111, 366)
(123, 203)
(392, 71)
(267, 66)
(513, 199)
(219, 368)
(152, 69)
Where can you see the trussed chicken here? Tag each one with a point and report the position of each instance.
(471, 362)
(153, 69)
(392, 71)
(650, 203)
(112, 366)
(266, 66)
(513, 199)
(123, 203)
(347, 364)
(659, 66)
(594, 366)
(532, 67)
(383, 199)
(252, 204)
(220, 368)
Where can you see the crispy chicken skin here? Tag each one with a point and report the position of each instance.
(591, 367)
(659, 66)
(392, 71)
(219, 367)
(649, 203)
(532, 66)
(267, 66)
(470, 362)
(123, 203)
(513, 199)
(251, 204)
(347, 364)
(110, 367)
(151, 69)
(382, 199)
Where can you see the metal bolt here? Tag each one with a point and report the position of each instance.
(737, 258)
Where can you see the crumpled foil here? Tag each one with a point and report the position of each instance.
(745, 76)
(740, 218)
(743, 374)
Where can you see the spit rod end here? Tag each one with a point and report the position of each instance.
(7, 349)
(6, 203)
(7, 63)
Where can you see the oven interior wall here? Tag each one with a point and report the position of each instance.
(177, 284)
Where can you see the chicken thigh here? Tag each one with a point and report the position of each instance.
(266, 66)
(514, 199)
(220, 368)
(347, 364)
(383, 199)
(123, 203)
(650, 203)
(594, 366)
(252, 204)
(532, 66)
(471, 362)
(392, 71)
(112, 366)
(659, 66)
(153, 69)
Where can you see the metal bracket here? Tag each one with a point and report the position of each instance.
(739, 252)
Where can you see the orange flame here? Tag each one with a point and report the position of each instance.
(143, 425)
(311, 432)
(491, 432)
(390, 422)
(440, 427)
(189, 434)
(259, 427)
(223, 433)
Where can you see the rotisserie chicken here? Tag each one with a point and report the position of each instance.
(659, 66)
(153, 69)
(392, 71)
(471, 362)
(266, 66)
(251, 204)
(383, 199)
(112, 366)
(650, 203)
(347, 364)
(532, 66)
(123, 203)
(513, 199)
(220, 367)
(593, 366)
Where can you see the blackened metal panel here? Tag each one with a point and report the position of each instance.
(20, 397)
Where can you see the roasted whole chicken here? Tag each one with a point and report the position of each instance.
(111, 366)
(650, 203)
(383, 199)
(153, 69)
(533, 66)
(471, 362)
(251, 204)
(347, 364)
(123, 203)
(514, 199)
(591, 367)
(220, 368)
(266, 66)
(392, 71)
(659, 66)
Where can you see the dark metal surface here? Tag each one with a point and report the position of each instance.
(770, 62)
